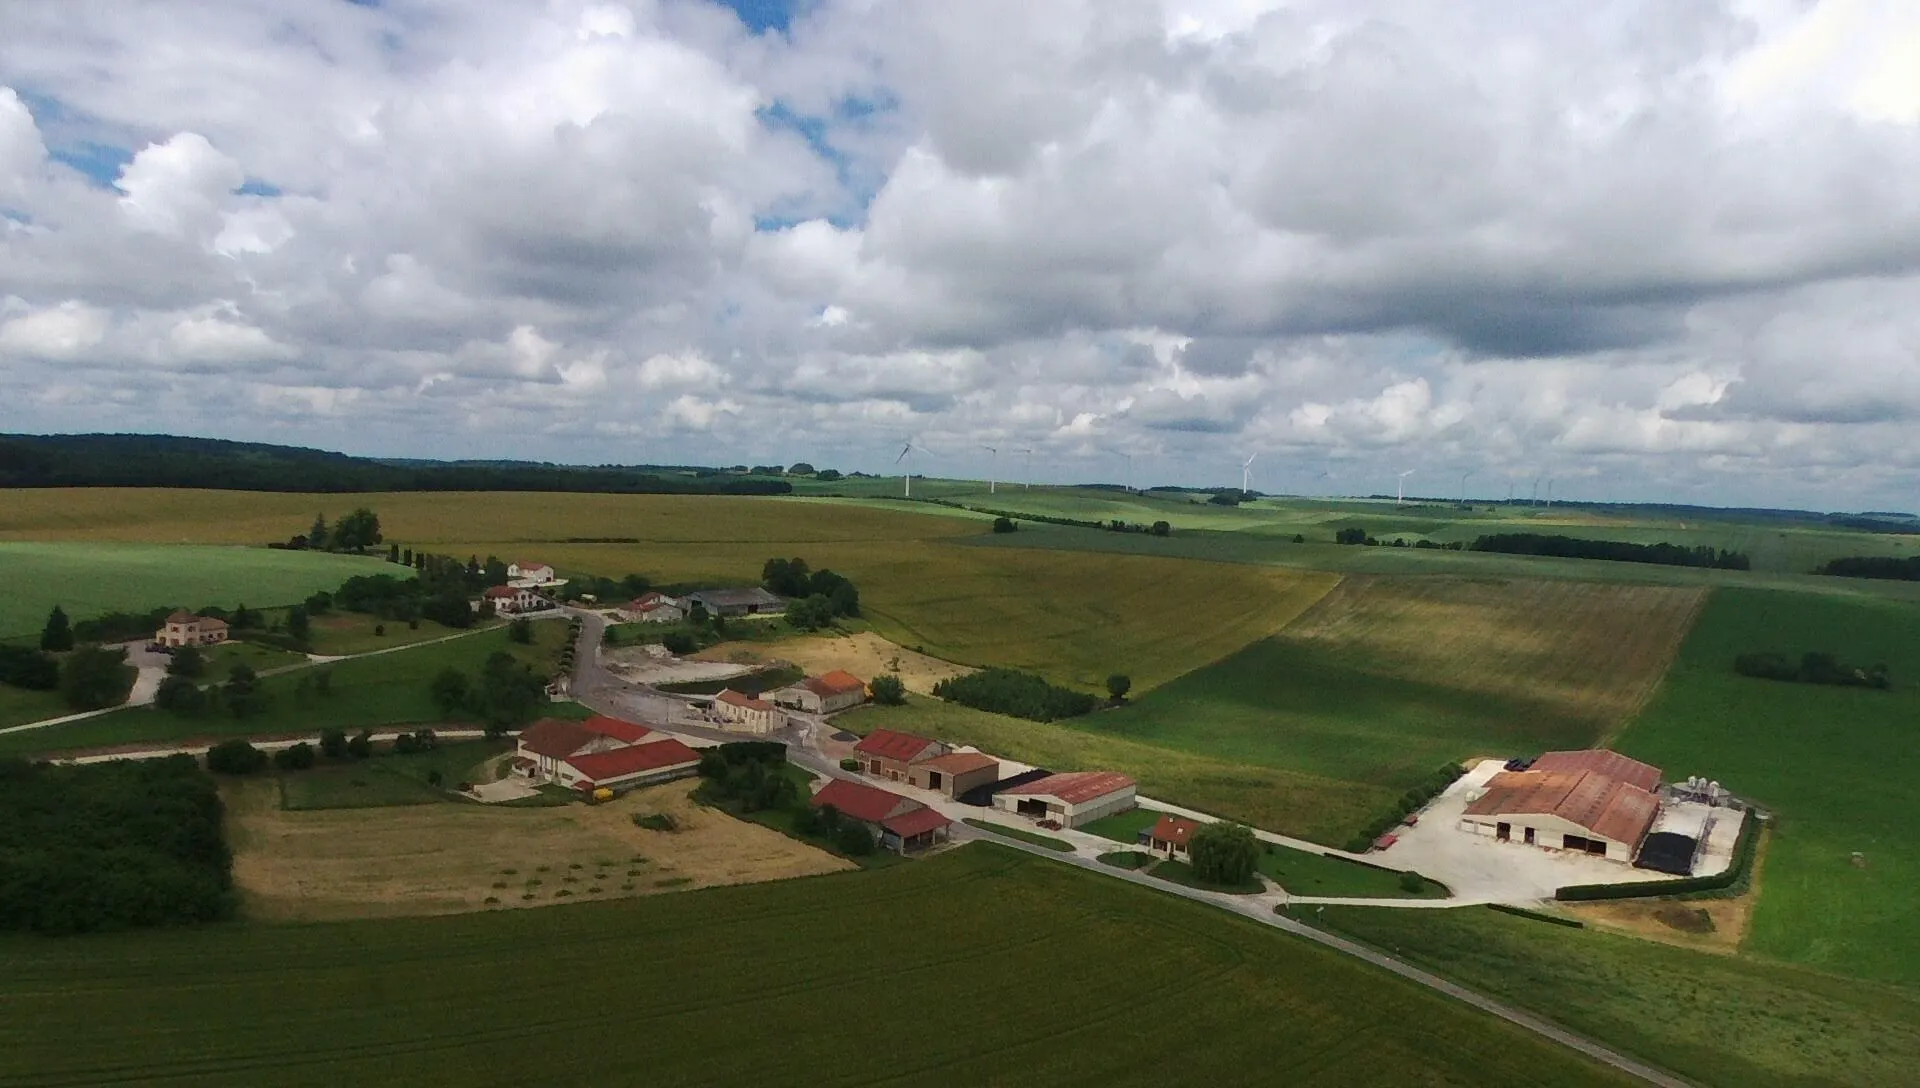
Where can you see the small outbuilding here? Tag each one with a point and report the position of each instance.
(738, 712)
(827, 694)
(1071, 799)
(1169, 836)
(652, 608)
(954, 773)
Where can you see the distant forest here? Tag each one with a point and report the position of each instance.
(1567, 547)
(128, 460)
(1874, 566)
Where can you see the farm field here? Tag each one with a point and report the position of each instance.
(1721, 1020)
(364, 862)
(368, 692)
(211, 1015)
(91, 579)
(1830, 762)
(1309, 806)
(340, 634)
(1386, 679)
(391, 778)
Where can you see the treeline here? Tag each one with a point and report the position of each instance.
(116, 845)
(1617, 551)
(816, 597)
(1353, 534)
(1410, 802)
(130, 460)
(1019, 694)
(1814, 667)
(1115, 525)
(1887, 568)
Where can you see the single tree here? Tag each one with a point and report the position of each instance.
(853, 839)
(317, 537)
(242, 691)
(1117, 687)
(450, 691)
(298, 625)
(296, 757)
(188, 662)
(333, 743)
(393, 553)
(179, 695)
(361, 746)
(235, 756)
(323, 682)
(494, 571)
(799, 468)
(357, 531)
(57, 636)
(1004, 525)
(697, 615)
(521, 631)
(1224, 853)
(243, 617)
(1161, 528)
(94, 678)
(888, 690)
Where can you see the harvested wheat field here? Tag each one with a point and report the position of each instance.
(1592, 652)
(865, 655)
(449, 858)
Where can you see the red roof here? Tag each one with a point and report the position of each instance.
(887, 744)
(621, 762)
(1074, 787)
(734, 698)
(961, 762)
(837, 682)
(1173, 829)
(1612, 764)
(915, 822)
(1608, 807)
(628, 732)
(869, 804)
(502, 592)
(556, 739)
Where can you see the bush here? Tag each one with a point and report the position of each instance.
(297, 757)
(680, 644)
(1020, 694)
(236, 757)
(35, 670)
(179, 695)
(888, 690)
(1004, 525)
(361, 746)
(853, 839)
(849, 764)
(1412, 883)
(333, 743)
(655, 821)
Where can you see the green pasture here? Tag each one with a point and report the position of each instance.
(91, 579)
(222, 658)
(19, 706)
(1123, 827)
(552, 995)
(1305, 874)
(1045, 842)
(388, 778)
(1834, 764)
(1719, 1020)
(374, 692)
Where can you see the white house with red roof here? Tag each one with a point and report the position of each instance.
(652, 608)
(903, 824)
(526, 572)
(1070, 799)
(740, 713)
(507, 600)
(601, 752)
(825, 694)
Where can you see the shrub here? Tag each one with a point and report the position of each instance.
(849, 764)
(333, 743)
(680, 644)
(1020, 694)
(1004, 525)
(361, 746)
(888, 690)
(655, 821)
(35, 670)
(294, 757)
(1412, 883)
(853, 839)
(235, 756)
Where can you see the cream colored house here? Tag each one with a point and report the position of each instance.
(186, 629)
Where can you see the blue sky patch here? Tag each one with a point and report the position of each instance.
(99, 163)
(761, 16)
(256, 187)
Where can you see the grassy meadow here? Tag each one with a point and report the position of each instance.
(19, 706)
(1834, 764)
(1720, 1020)
(388, 779)
(88, 579)
(375, 692)
(424, 1001)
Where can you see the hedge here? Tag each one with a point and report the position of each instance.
(1411, 801)
(1743, 851)
(1522, 912)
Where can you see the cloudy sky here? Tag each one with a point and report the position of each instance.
(1651, 249)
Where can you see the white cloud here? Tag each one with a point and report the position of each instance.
(177, 186)
(65, 331)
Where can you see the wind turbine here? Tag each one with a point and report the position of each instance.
(1027, 482)
(993, 470)
(1246, 475)
(906, 455)
(1463, 487)
(1400, 498)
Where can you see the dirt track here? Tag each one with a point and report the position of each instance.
(445, 858)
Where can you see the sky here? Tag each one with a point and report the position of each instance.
(1653, 251)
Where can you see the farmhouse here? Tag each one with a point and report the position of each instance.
(186, 629)
(652, 608)
(826, 694)
(955, 773)
(746, 714)
(1070, 799)
(1596, 802)
(884, 753)
(529, 574)
(1169, 836)
(546, 746)
(752, 601)
(509, 599)
(903, 824)
(627, 768)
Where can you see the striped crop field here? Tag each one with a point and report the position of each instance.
(982, 966)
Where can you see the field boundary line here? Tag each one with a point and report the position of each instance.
(1620, 724)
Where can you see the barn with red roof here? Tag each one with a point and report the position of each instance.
(828, 693)
(1069, 799)
(902, 824)
(601, 751)
(886, 753)
(1596, 802)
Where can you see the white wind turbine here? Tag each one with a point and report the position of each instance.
(1400, 497)
(1027, 483)
(1246, 474)
(993, 471)
(906, 456)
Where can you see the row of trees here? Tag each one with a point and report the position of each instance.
(239, 757)
(1888, 568)
(114, 845)
(1814, 667)
(1617, 551)
(1020, 694)
(1353, 534)
(355, 532)
(1411, 801)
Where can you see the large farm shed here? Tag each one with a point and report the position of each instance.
(1071, 799)
(904, 825)
(1596, 802)
(826, 694)
(955, 773)
(885, 753)
(601, 752)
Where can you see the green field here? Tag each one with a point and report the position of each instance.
(387, 779)
(375, 692)
(19, 706)
(553, 996)
(1045, 842)
(1306, 805)
(1722, 1020)
(222, 658)
(1834, 764)
(91, 579)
